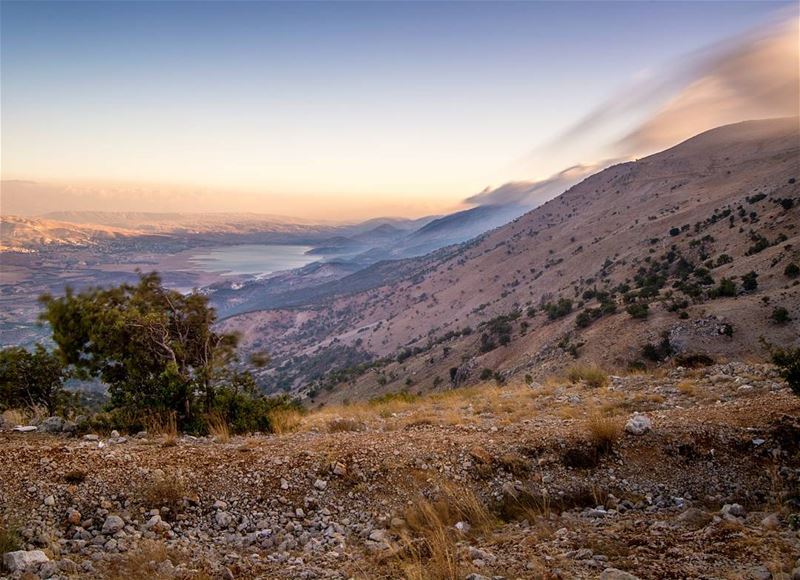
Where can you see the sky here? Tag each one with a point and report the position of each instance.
(337, 110)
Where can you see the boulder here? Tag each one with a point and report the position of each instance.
(695, 518)
(52, 425)
(20, 560)
(638, 424)
(112, 525)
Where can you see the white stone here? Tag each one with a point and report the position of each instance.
(638, 424)
(25, 428)
(20, 560)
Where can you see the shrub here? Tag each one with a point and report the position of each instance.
(165, 491)
(10, 539)
(31, 378)
(658, 352)
(639, 310)
(592, 376)
(792, 270)
(674, 231)
(750, 281)
(486, 374)
(558, 309)
(726, 288)
(788, 362)
(780, 315)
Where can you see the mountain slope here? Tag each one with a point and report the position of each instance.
(729, 192)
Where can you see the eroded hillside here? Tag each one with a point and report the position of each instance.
(635, 255)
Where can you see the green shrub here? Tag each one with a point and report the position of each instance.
(726, 288)
(558, 309)
(750, 281)
(780, 315)
(792, 270)
(639, 310)
(788, 362)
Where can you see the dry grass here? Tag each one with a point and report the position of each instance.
(428, 546)
(593, 376)
(13, 417)
(218, 427)
(167, 491)
(687, 387)
(144, 561)
(163, 425)
(604, 431)
(282, 421)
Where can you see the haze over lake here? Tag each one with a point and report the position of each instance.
(251, 259)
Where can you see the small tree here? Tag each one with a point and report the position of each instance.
(31, 379)
(154, 347)
(792, 270)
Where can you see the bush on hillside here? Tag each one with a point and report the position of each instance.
(639, 310)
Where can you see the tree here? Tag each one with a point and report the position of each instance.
(153, 347)
(31, 379)
(792, 270)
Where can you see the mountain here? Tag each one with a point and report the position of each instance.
(658, 236)
(27, 234)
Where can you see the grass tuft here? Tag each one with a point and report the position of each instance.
(593, 376)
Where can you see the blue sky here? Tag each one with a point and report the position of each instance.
(403, 107)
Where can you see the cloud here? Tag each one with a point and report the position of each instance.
(758, 78)
(754, 76)
(534, 193)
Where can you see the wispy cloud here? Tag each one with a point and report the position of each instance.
(533, 193)
(754, 76)
(751, 77)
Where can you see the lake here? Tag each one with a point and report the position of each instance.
(250, 259)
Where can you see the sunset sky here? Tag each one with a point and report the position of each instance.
(331, 110)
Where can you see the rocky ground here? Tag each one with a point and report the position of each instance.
(686, 474)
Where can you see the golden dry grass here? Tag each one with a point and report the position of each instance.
(163, 425)
(593, 376)
(282, 421)
(428, 547)
(14, 417)
(687, 387)
(604, 431)
(143, 563)
(218, 427)
(166, 491)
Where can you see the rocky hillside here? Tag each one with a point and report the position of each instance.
(679, 474)
(637, 264)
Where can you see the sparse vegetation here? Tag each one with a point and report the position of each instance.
(593, 376)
